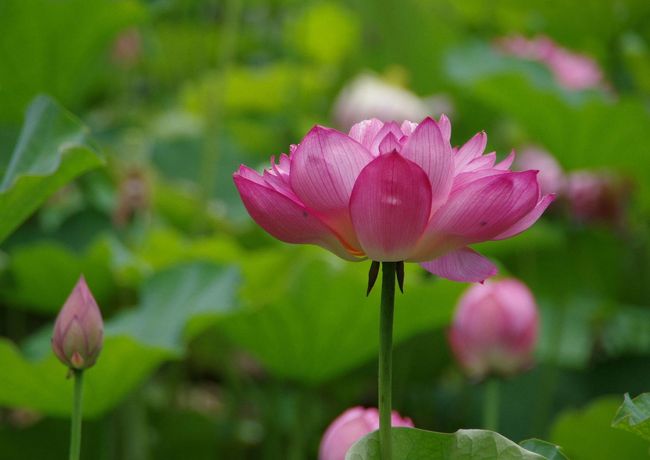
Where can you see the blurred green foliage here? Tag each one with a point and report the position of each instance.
(220, 341)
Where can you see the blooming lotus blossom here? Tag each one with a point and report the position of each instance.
(349, 427)
(551, 176)
(78, 330)
(573, 71)
(495, 327)
(391, 193)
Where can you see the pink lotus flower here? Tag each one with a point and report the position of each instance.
(571, 70)
(349, 427)
(551, 176)
(78, 330)
(495, 328)
(391, 192)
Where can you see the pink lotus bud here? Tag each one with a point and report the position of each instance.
(573, 71)
(349, 427)
(78, 330)
(596, 196)
(551, 177)
(495, 328)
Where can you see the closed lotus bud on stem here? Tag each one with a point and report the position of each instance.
(79, 329)
(349, 427)
(494, 330)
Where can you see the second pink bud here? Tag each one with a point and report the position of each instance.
(495, 328)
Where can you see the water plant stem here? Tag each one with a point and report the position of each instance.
(75, 427)
(491, 404)
(386, 357)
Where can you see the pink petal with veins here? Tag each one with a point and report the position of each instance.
(463, 264)
(390, 207)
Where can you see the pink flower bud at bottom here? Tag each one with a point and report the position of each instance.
(349, 427)
(78, 330)
(494, 330)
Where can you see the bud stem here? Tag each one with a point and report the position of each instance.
(491, 404)
(386, 358)
(75, 430)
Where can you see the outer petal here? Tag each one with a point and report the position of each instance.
(487, 207)
(472, 149)
(506, 162)
(482, 162)
(427, 148)
(324, 168)
(464, 178)
(287, 220)
(529, 219)
(365, 131)
(390, 207)
(463, 264)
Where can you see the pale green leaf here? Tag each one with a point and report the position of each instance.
(53, 148)
(414, 444)
(634, 415)
(546, 449)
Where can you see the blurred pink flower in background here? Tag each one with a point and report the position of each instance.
(368, 96)
(79, 329)
(392, 192)
(127, 48)
(597, 197)
(349, 427)
(494, 330)
(551, 176)
(571, 70)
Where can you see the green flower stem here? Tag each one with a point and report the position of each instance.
(75, 431)
(491, 404)
(386, 357)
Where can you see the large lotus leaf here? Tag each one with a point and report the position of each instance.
(56, 47)
(414, 444)
(43, 272)
(53, 148)
(586, 434)
(309, 319)
(634, 415)
(176, 305)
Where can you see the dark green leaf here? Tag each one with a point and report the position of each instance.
(310, 319)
